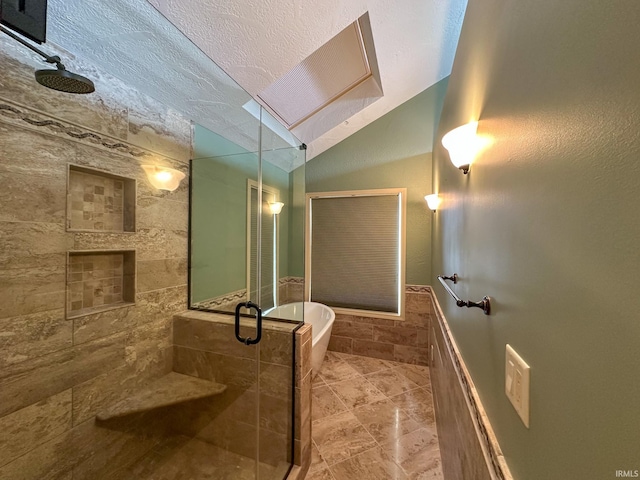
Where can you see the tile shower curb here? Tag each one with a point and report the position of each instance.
(494, 458)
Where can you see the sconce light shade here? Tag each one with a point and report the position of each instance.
(433, 201)
(276, 207)
(163, 178)
(462, 144)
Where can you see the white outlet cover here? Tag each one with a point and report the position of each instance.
(516, 384)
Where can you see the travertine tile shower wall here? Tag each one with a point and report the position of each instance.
(94, 281)
(57, 373)
(97, 203)
(202, 348)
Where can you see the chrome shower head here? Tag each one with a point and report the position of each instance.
(64, 81)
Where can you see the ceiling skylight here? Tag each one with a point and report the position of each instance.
(335, 68)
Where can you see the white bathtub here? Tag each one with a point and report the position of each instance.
(321, 319)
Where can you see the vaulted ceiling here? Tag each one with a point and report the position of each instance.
(256, 42)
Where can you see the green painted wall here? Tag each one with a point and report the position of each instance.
(297, 218)
(220, 171)
(393, 151)
(545, 223)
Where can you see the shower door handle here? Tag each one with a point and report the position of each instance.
(249, 341)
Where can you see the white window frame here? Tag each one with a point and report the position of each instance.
(402, 204)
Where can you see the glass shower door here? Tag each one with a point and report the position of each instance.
(240, 252)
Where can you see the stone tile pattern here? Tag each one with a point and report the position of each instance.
(94, 281)
(397, 340)
(302, 410)
(96, 202)
(373, 419)
(290, 289)
(205, 347)
(453, 391)
(223, 303)
(55, 373)
(190, 458)
(170, 389)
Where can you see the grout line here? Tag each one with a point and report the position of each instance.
(421, 424)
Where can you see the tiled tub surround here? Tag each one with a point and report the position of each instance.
(373, 419)
(98, 201)
(398, 340)
(468, 445)
(56, 373)
(99, 280)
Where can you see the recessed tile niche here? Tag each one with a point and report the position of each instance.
(99, 280)
(99, 201)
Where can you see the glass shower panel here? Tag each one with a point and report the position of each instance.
(267, 265)
(221, 228)
(283, 168)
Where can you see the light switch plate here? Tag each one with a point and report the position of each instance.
(516, 384)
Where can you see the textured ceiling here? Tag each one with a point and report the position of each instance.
(256, 42)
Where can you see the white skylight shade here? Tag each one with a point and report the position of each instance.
(333, 69)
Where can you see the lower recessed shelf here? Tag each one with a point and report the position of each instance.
(170, 389)
(99, 280)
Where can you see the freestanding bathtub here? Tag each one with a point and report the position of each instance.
(321, 319)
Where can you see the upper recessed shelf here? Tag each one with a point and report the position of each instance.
(99, 201)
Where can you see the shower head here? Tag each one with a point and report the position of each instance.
(59, 79)
(64, 81)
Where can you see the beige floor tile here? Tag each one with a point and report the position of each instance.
(385, 421)
(317, 461)
(195, 459)
(337, 371)
(340, 437)
(317, 382)
(330, 359)
(366, 365)
(374, 464)
(323, 474)
(417, 453)
(418, 374)
(391, 382)
(356, 392)
(419, 404)
(325, 403)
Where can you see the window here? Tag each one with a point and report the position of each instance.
(355, 252)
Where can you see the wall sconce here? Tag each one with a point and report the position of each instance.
(276, 207)
(433, 201)
(462, 144)
(163, 178)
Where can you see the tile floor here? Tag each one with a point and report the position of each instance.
(373, 420)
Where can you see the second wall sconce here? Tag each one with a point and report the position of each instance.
(462, 144)
(433, 201)
(276, 207)
(163, 178)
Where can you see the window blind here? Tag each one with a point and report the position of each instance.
(355, 244)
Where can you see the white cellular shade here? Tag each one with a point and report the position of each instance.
(355, 252)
